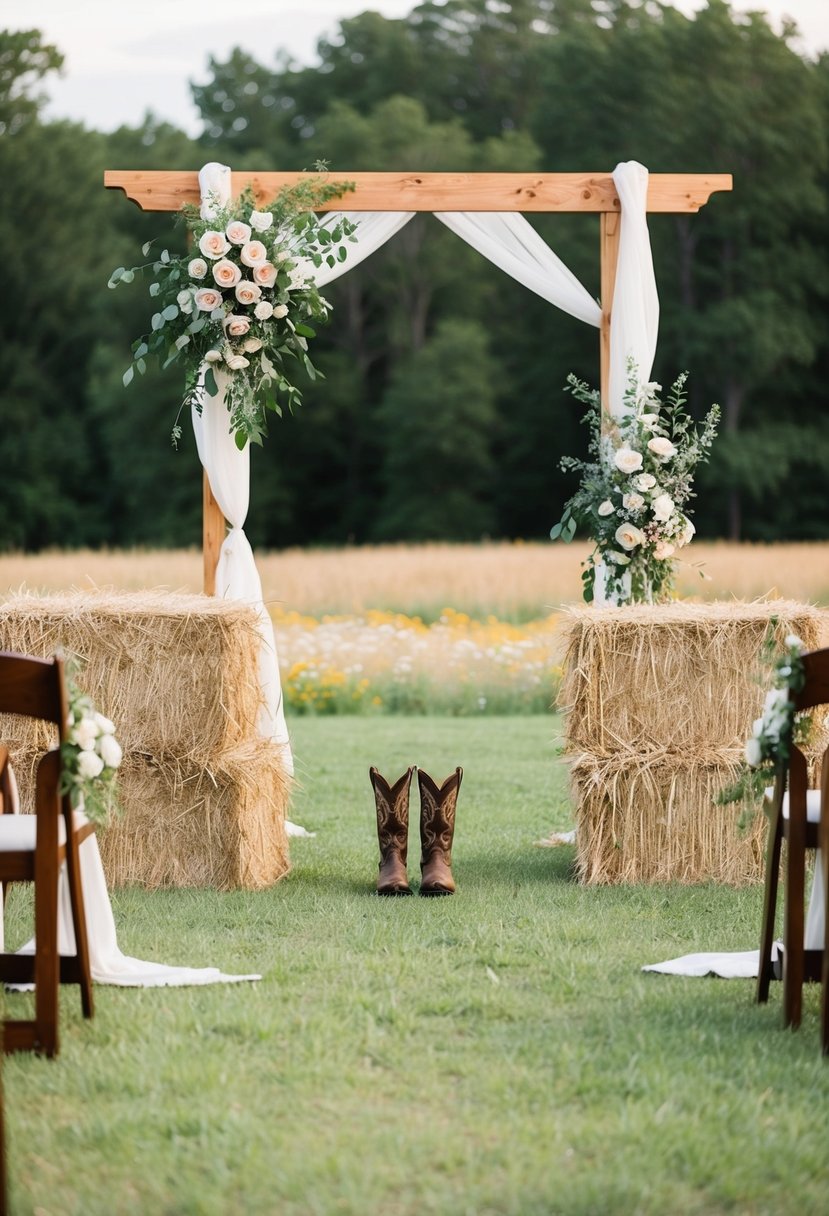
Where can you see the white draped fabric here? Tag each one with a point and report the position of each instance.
(509, 240)
(634, 319)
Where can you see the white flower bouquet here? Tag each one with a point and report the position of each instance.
(90, 756)
(635, 488)
(242, 301)
(778, 727)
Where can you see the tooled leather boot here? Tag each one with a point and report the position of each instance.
(437, 829)
(392, 831)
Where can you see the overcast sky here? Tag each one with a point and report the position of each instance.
(123, 58)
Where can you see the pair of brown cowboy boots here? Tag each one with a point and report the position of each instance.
(437, 830)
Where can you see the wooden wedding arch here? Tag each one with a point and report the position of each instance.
(678, 193)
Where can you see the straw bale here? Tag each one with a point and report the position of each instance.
(652, 820)
(176, 673)
(180, 826)
(680, 677)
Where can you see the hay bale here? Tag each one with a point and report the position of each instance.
(178, 674)
(656, 821)
(676, 676)
(204, 796)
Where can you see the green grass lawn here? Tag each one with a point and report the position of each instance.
(496, 1053)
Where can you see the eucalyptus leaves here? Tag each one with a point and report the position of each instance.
(243, 301)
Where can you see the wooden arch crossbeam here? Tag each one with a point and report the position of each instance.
(677, 193)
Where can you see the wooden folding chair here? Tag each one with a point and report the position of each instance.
(800, 816)
(33, 848)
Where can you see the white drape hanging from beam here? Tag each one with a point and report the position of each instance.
(634, 318)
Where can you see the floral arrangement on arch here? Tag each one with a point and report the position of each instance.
(90, 756)
(635, 488)
(239, 306)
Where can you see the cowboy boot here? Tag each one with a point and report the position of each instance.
(392, 831)
(437, 829)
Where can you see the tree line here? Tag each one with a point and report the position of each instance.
(442, 415)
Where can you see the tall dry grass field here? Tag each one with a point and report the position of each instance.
(513, 581)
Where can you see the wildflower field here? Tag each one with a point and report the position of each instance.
(435, 628)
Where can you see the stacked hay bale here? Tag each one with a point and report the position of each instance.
(204, 796)
(659, 702)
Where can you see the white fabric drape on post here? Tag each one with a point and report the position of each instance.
(634, 319)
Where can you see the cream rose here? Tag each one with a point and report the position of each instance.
(109, 750)
(237, 232)
(280, 311)
(236, 362)
(264, 274)
(226, 273)
(247, 292)
(250, 345)
(90, 764)
(645, 481)
(213, 245)
(649, 420)
(208, 299)
(197, 269)
(633, 502)
(261, 220)
(687, 533)
(253, 253)
(85, 733)
(663, 549)
(627, 460)
(263, 310)
(629, 536)
(213, 356)
(105, 725)
(661, 447)
(663, 508)
(605, 508)
(236, 326)
(184, 299)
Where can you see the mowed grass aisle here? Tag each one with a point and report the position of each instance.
(495, 1053)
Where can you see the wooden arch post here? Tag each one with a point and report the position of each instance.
(167, 190)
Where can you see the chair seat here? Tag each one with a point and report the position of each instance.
(812, 804)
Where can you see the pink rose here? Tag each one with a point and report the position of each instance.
(226, 273)
(264, 274)
(253, 253)
(208, 299)
(236, 327)
(213, 245)
(237, 232)
(248, 293)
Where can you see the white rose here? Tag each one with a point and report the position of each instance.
(248, 293)
(237, 232)
(213, 356)
(645, 481)
(236, 362)
(184, 299)
(687, 533)
(629, 536)
(605, 508)
(633, 502)
(85, 733)
(662, 507)
(280, 311)
(264, 274)
(753, 752)
(105, 725)
(263, 310)
(250, 345)
(109, 750)
(213, 245)
(757, 728)
(663, 549)
(90, 764)
(208, 299)
(661, 447)
(226, 273)
(649, 420)
(236, 326)
(197, 269)
(793, 642)
(253, 253)
(261, 220)
(628, 460)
